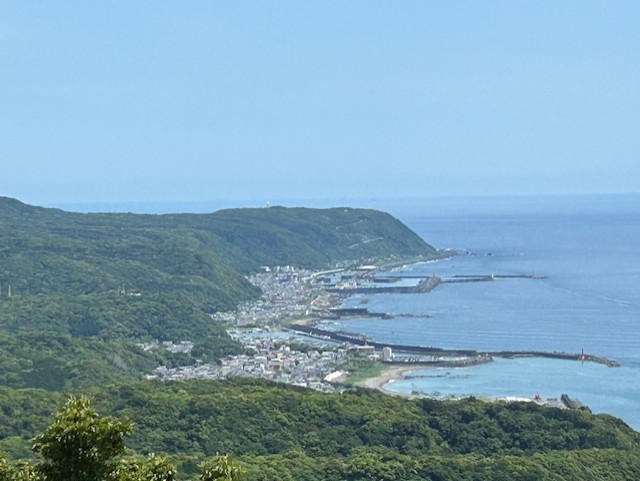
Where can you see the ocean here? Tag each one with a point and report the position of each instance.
(588, 249)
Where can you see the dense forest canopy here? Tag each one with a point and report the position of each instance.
(85, 287)
(202, 255)
(283, 432)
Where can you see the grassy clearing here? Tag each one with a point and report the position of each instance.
(361, 368)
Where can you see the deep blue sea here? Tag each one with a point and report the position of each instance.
(589, 249)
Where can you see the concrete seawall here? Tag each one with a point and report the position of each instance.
(425, 285)
(436, 351)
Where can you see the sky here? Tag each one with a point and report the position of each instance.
(187, 101)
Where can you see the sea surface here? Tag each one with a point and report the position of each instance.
(588, 247)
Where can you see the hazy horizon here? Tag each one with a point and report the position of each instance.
(401, 206)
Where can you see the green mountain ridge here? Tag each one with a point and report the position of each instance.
(49, 250)
(85, 287)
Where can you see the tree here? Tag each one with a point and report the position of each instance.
(220, 468)
(80, 445)
(153, 468)
(5, 471)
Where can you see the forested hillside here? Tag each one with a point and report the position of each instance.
(45, 251)
(282, 432)
(78, 290)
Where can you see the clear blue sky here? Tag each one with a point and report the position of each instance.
(188, 101)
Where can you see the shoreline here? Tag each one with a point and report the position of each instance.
(391, 373)
(356, 339)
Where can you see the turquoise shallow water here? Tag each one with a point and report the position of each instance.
(604, 389)
(588, 248)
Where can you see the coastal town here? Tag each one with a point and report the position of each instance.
(270, 357)
(269, 351)
(282, 342)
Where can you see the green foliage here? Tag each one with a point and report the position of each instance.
(360, 368)
(5, 470)
(256, 418)
(312, 238)
(22, 413)
(80, 445)
(371, 465)
(288, 434)
(54, 362)
(220, 468)
(152, 468)
(209, 348)
(199, 255)
(24, 471)
(85, 287)
(108, 315)
(252, 417)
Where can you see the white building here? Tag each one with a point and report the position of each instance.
(387, 354)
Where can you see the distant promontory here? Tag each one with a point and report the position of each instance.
(78, 291)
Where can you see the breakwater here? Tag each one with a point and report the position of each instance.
(338, 313)
(425, 285)
(464, 277)
(557, 355)
(440, 352)
(439, 362)
(501, 276)
(365, 341)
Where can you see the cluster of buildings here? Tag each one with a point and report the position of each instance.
(386, 354)
(269, 358)
(286, 292)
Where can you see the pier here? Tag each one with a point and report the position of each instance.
(440, 362)
(384, 284)
(466, 277)
(440, 352)
(557, 355)
(425, 285)
(337, 313)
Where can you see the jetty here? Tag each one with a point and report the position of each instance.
(426, 284)
(463, 277)
(557, 355)
(359, 340)
(337, 313)
(441, 362)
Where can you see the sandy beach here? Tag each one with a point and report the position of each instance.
(389, 373)
(399, 371)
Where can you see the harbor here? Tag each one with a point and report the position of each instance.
(424, 285)
(371, 282)
(359, 340)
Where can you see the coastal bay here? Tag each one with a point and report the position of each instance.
(588, 301)
(390, 373)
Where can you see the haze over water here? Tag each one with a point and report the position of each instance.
(586, 245)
